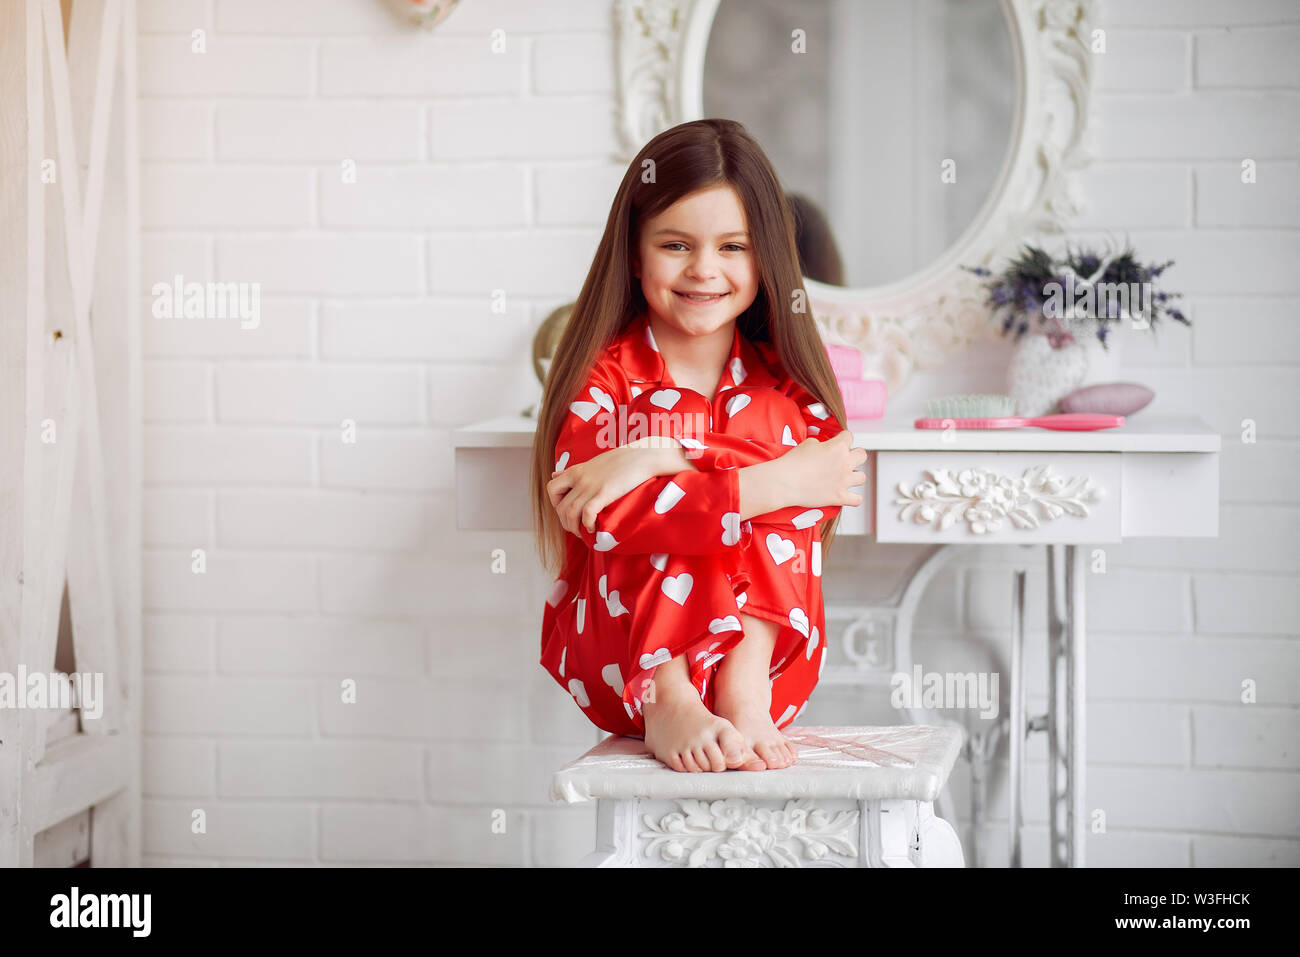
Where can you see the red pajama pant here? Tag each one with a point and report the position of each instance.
(623, 615)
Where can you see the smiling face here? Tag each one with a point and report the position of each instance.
(697, 265)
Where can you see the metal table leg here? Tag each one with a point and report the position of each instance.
(1076, 701)
(1018, 726)
(1066, 701)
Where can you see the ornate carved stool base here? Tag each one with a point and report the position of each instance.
(856, 797)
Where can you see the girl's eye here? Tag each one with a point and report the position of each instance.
(725, 246)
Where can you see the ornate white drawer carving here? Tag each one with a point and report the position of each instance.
(856, 797)
(997, 497)
(795, 832)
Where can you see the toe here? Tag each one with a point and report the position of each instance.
(688, 761)
(732, 744)
(675, 763)
(714, 754)
(753, 762)
(701, 756)
(768, 754)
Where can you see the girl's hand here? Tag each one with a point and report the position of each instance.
(823, 473)
(582, 490)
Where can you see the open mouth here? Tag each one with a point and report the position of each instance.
(701, 300)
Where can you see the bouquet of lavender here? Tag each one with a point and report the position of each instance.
(1097, 288)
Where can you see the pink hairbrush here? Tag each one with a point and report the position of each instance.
(996, 412)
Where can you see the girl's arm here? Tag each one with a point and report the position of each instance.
(703, 494)
(692, 512)
(727, 451)
(714, 451)
(812, 475)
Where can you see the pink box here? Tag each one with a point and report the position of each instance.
(863, 398)
(846, 362)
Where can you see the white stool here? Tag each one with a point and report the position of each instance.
(856, 797)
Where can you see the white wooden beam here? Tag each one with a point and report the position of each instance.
(77, 773)
(121, 814)
(66, 844)
(94, 35)
(115, 834)
(97, 645)
(22, 314)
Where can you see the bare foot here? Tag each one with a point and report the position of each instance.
(685, 735)
(743, 695)
(759, 731)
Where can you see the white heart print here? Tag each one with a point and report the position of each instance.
(665, 398)
(615, 605)
(677, 588)
(579, 693)
(690, 443)
(659, 560)
(661, 656)
(812, 642)
(563, 654)
(558, 590)
(817, 558)
(805, 519)
(613, 677)
(563, 463)
(736, 403)
(785, 715)
(604, 541)
(818, 410)
(799, 621)
(781, 549)
(787, 437)
(730, 623)
(737, 371)
(741, 599)
(668, 496)
(705, 654)
(600, 587)
(730, 528)
(582, 613)
(585, 410)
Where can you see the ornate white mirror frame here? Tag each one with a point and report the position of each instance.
(918, 321)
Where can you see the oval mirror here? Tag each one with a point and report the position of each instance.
(889, 122)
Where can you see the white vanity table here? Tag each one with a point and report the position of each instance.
(1154, 477)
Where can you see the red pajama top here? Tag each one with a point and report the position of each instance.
(688, 524)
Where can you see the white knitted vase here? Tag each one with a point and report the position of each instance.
(1040, 376)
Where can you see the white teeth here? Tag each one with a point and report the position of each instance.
(702, 298)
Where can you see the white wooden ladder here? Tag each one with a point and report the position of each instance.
(69, 414)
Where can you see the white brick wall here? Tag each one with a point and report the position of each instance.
(330, 562)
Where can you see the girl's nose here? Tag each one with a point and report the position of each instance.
(702, 267)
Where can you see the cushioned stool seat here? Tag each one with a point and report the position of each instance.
(856, 797)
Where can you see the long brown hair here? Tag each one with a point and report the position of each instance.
(701, 154)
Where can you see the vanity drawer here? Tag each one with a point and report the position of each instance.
(998, 497)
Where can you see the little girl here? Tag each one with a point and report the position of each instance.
(690, 463)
